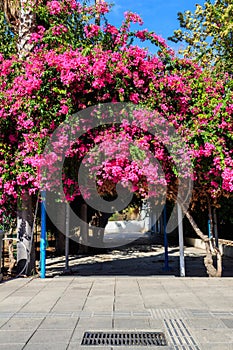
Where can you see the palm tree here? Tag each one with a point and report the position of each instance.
(21, 20)
(11, 11)
(27, 23)
(97, 18)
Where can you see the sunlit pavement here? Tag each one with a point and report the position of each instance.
(53, 313)
(138, 260)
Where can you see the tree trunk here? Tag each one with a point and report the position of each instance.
(97, 17)
(25, 244)
(20, 16)
(210, 251)
(12, 260)
(11, 11)
(219, 256)
(27, 22)
(24, 27)
(99, 221)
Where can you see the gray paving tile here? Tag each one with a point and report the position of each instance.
(14, 336)
(75, 346)
(48, 346)
(22, 324)
(216, 346)
(78, 334)
(143, 348)
(14, 346)
(58, 323)
(66, 306)
(42, 306)
(3, 321)
(209, 321)
(216, 336)
(131, 324)
(95, 323)
(206, 323)
(125, 307)
(156, 325)
(51, 336)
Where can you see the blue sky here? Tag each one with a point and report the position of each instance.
(158, 15)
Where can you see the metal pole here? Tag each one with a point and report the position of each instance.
(210, 222)
(181, 241)
(43, 236)
(1, 253)
(166, 263)
(209, 229)
(67, 236)
(215, 228)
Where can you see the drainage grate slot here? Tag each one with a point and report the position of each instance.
(124, 338)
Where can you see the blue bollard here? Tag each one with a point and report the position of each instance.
(43, 236)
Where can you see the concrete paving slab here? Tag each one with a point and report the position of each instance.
(9, 337)
(66, 305)
(16, 324)
(131, 324)
(213, 336)
(144, 348)
(95, 323)
(3, 321)
(77, 335)
(47, 336)
(201, 308)
(156, 325)
(216, 346)
(205, 323)
(78, 346)
(58, 323)
(11, 306)
(13, 346)
(48, 346)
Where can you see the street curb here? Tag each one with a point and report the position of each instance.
(225, 249)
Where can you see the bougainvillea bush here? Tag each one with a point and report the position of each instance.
(75, 64)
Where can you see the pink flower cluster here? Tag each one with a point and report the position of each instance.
(91, 30)
(227, 177)
(38, 34)
(102, 7)
(133, 17)
(37, 94)
(54, 7)
(59, 29)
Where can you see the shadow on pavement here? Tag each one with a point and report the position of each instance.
(136, 261)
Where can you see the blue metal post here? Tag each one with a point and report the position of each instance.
(216, 228)
(67, 236)
(209, 229)
(43, 236)
(166, 263)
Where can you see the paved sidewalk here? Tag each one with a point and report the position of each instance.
(54, 313)
(136, 260)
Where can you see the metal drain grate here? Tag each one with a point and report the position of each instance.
(124, 338)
